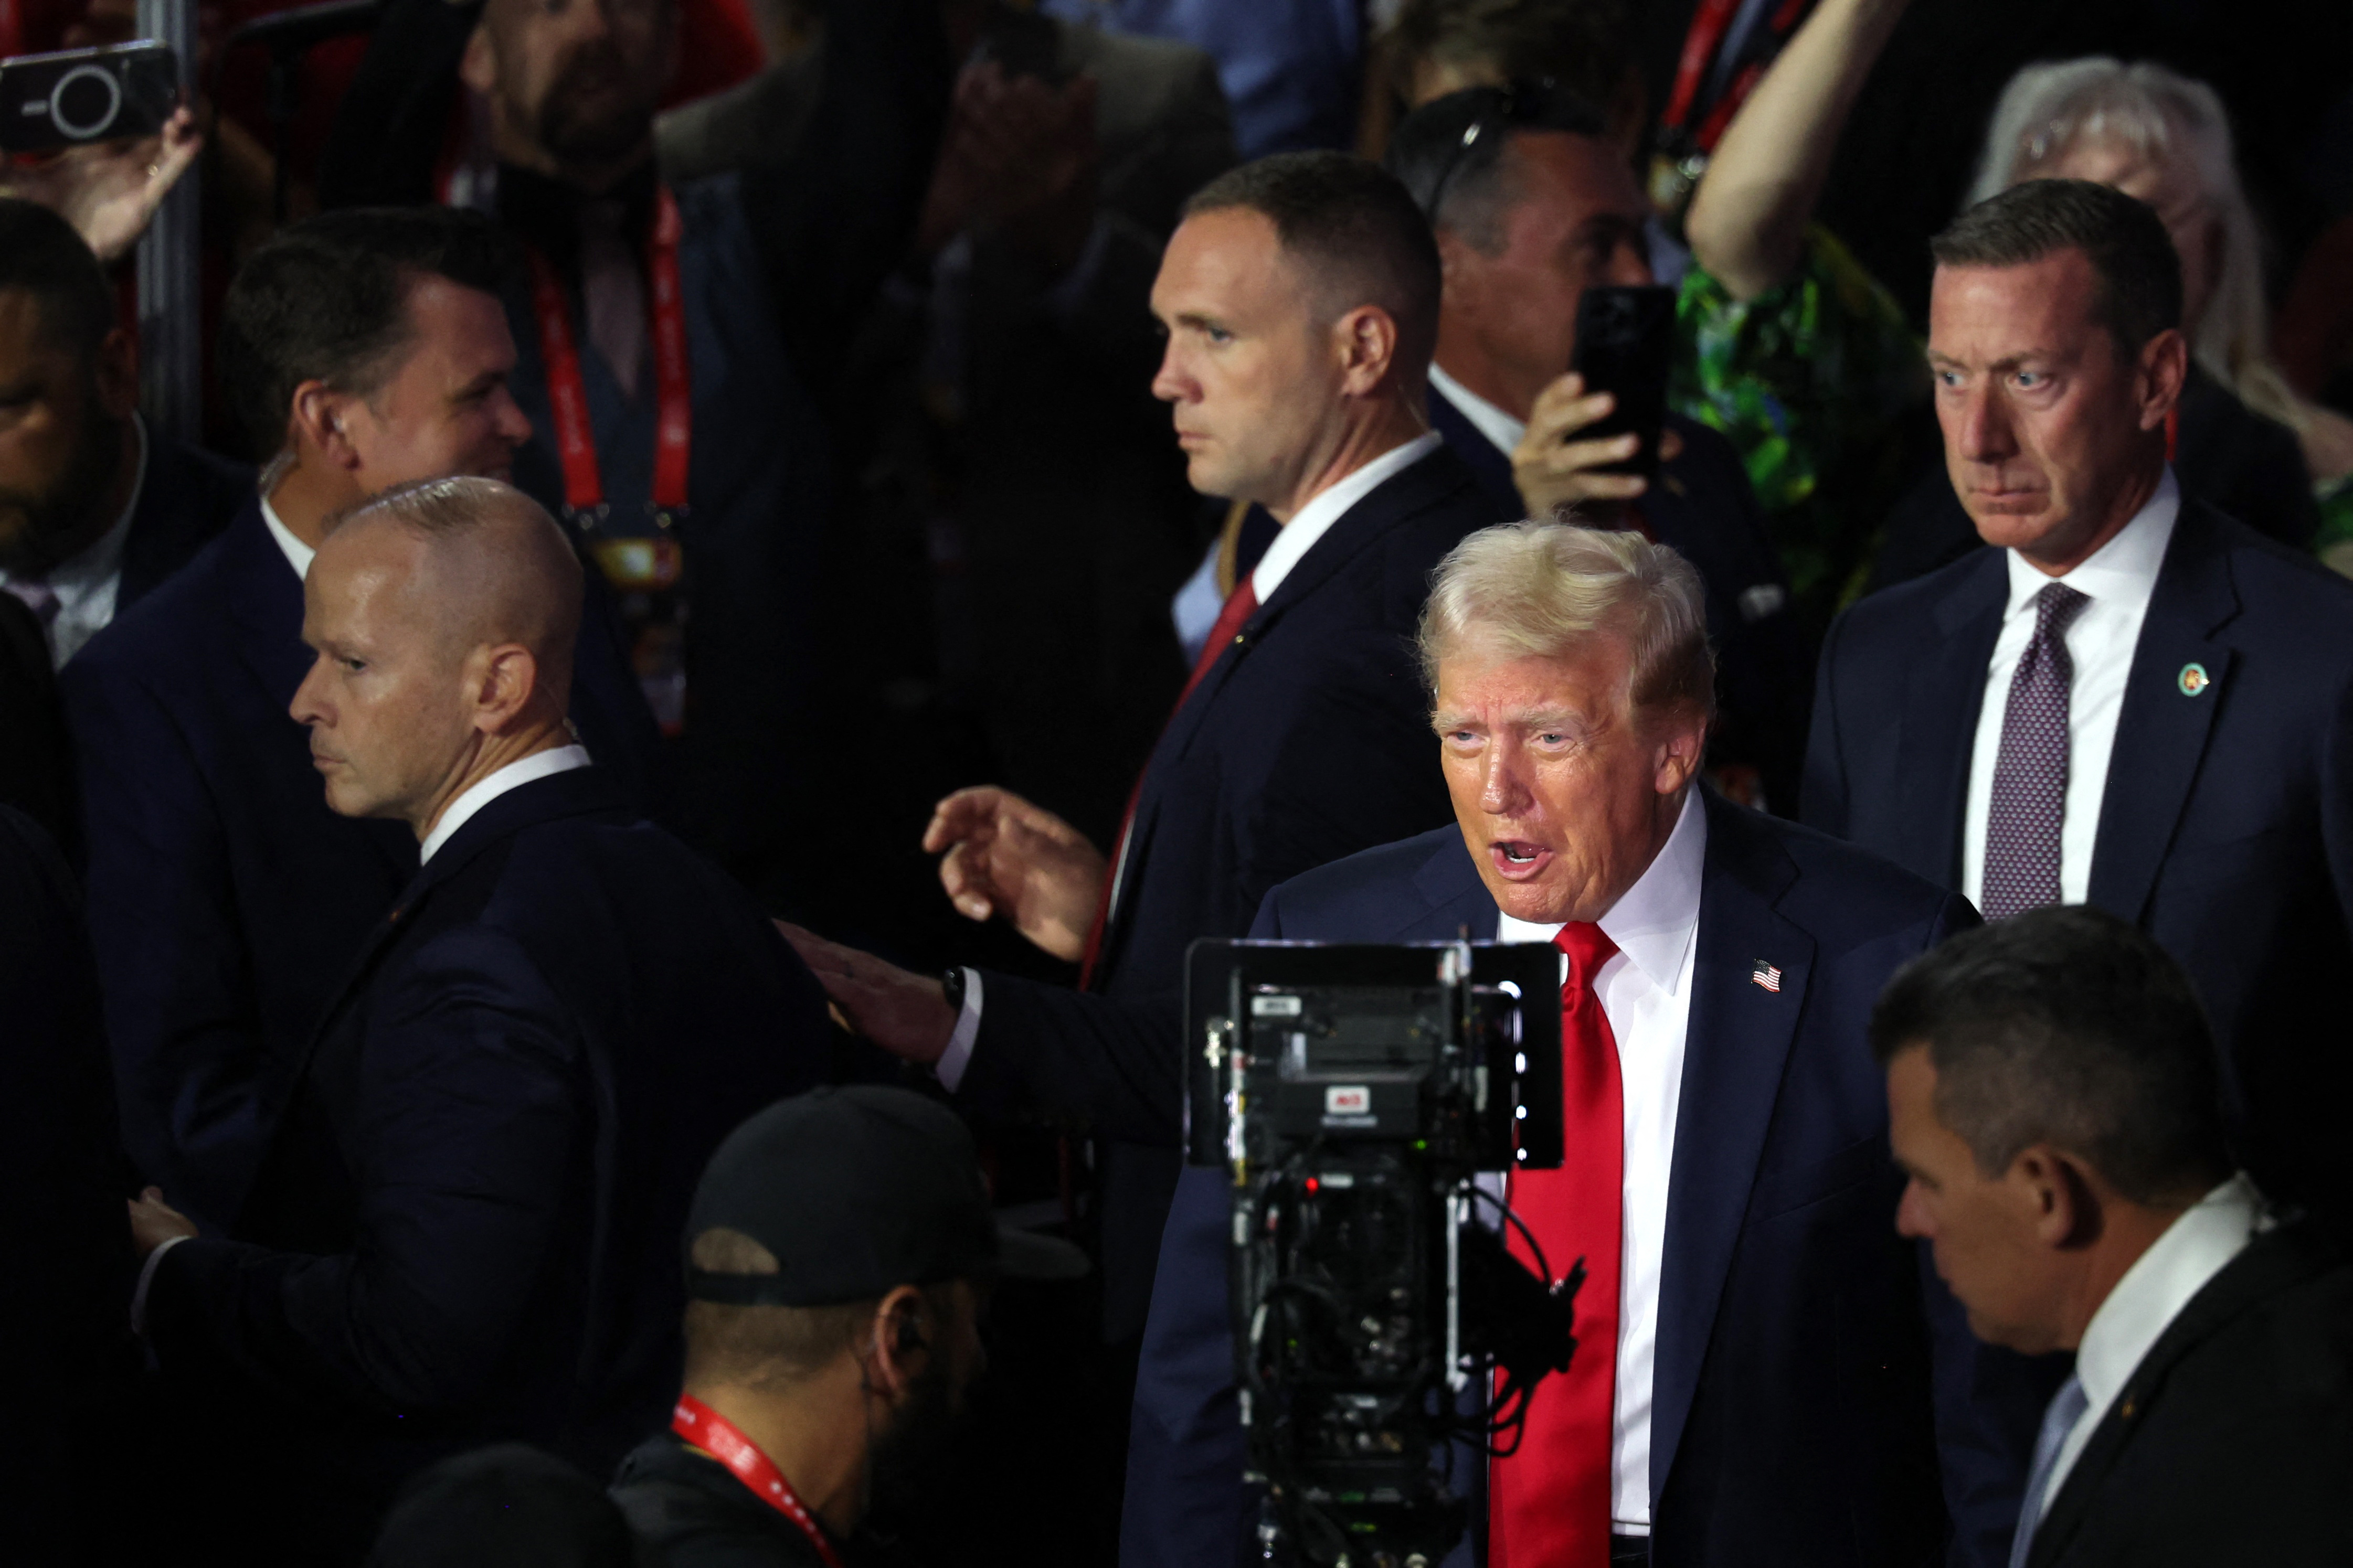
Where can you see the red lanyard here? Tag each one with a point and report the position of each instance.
(716, 1435)
(567, 397)
(1707, 29)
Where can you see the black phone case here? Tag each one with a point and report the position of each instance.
(77, 96)
(1625, 342)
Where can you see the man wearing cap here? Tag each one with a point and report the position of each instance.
(840, 1249)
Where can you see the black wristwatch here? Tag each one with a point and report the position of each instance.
(952, 982)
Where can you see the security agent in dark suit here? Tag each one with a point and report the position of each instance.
(1765, 1372)
(2134, 701)
(95, 508)
(64, 1351)
(1299, 295)
(463, 1232)
(2053, 1098)
(1534, 203)
(367, 350)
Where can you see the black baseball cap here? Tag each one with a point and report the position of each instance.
(858, 1190)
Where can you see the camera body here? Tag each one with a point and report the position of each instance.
(1354, 1095)
(64, 100)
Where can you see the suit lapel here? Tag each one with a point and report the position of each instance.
(1390, 505)
(1459, 903)
(2272, 1263)
(2162, 730)
(1943, 696)
(1734, 1046)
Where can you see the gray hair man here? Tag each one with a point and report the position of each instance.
(1756, 1368)
(2055, 1107)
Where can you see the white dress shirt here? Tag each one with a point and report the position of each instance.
(2119, 579)
(2193, 1249)
(514, 775)
(88, 584)
(1314, 519)
(298, 555)
(1645, 991)
(1298, 536)
(1501, 429)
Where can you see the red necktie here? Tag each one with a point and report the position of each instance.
(1550, 1502)
(1240, 606)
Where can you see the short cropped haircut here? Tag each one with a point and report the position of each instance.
(327, 300)
(1538, 589)
(41, 255)
(2125, 242)
(755, 1346)
(2067, 1027)
(1584, 44)
(1450, 153)
(1356, 234)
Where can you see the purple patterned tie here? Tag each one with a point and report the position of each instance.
(2030, 772)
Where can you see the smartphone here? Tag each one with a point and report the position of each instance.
(1625, 341)
(64, 100)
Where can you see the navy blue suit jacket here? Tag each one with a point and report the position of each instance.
(1308, 739)
(1812, 1375)
(1702, 506)
(2226, 828)
(469, 1228)
(64, 1343)
(186, 498)
(225, 897)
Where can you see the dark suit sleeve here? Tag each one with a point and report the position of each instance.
(467, 1129)
(1115, 1060)
(172, 958)
(1823, 801)
(1989, 1400)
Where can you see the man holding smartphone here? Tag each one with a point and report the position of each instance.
(1540, 223)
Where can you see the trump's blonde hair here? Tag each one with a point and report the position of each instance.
(1541, 589)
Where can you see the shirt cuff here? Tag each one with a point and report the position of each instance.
(147, 1280)
(950, 1069)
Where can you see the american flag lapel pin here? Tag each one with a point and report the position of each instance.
(1765, 977)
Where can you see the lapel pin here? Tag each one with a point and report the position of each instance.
(2194, 680)
(1765, 977)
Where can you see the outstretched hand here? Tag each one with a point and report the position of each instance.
(906, 1015)
(155, 1222)
(1006, 856)
(1552, 470)
(109, 190)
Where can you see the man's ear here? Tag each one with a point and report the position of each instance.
(509, 679)
(900, 1346)
(317, 424)
(478, 68)
(1683, 741)
(1460, 276)
(2064, 1204)
(1365, 340)
(2163, 370)
(116, 374)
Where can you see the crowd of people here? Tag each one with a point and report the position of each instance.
(597, 862)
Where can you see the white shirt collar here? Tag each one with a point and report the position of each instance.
(1503, 432)
(1312, 521)
(298, 555)
(87, 583)
(1653, 922)
(514, 775)
(2193, 1249)
(2123, 572)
